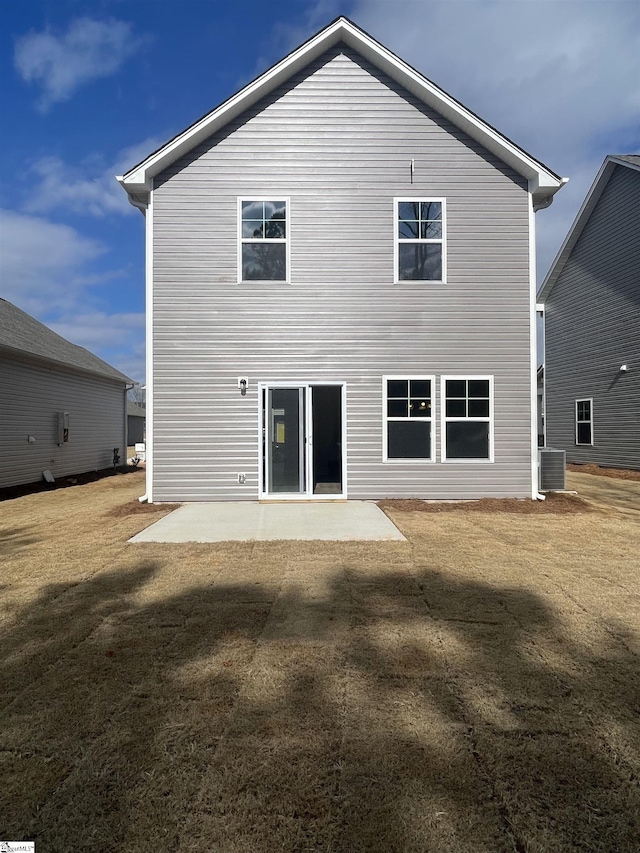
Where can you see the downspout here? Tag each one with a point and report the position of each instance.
(534, 207)
(533, 345)
(143, 207)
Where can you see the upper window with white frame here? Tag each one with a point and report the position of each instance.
(408, 431)
(420, 240)
(467, 430)
(263, 249)
(584, 421)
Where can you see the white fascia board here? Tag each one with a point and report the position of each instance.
(582, 217)
(543, 182)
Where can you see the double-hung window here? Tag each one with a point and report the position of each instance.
(420, 240)
(263, 244)
(408, 417)
(584, 421)
(467, 420)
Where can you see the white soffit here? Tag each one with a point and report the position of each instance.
(542, 181)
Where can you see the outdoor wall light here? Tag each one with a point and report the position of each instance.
(624, 368)
(243, 382)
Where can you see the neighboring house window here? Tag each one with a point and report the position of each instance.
(420, 240)
(263, 240)
(467, 421)
(408, 416)
(584, 421)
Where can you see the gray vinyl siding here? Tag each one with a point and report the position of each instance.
(135, 430)
(31, 395)
(593, 327)
(337, 141)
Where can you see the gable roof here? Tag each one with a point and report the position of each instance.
(543, 183)
(21, 334)
(629, 161)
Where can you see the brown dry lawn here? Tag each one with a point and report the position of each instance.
(475, 689)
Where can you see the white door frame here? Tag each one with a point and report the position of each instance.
(307, 495)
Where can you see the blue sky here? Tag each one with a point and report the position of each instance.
(89, 88)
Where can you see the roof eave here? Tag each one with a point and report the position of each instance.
(543, 183)
(25, 355)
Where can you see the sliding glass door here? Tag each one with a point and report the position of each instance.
(302, 441)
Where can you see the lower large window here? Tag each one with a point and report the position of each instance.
(408, 417)
(584, 421)
(467, 422)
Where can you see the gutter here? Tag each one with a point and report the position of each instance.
(141, 205)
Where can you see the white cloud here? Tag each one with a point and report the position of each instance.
(47, 270)
(43, 265)
(62, 63)
(88, 188)
(132, 361)
(75, 189)
(98, 329)
(117, 338)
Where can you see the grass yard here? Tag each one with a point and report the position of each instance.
(475, 689)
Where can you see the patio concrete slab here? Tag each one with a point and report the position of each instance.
(247, 521)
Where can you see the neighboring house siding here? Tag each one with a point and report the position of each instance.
(337, 141)
(592, 321)
(135, 430)
(31, 395)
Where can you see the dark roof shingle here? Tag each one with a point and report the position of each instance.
(634, 159)
(135, 411)
(24, 334)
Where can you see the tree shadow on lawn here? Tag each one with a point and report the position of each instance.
(379, 711)
(14, 539)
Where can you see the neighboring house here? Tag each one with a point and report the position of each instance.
(340, 290)
(135, 423)
(62, 408)
(591, 299)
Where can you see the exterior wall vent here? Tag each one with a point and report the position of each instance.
(551, 469)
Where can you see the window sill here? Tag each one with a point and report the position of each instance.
(472, 461)
(415, 460)
(263, 282)
(416, 281)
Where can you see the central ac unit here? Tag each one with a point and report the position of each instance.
(551, 469)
